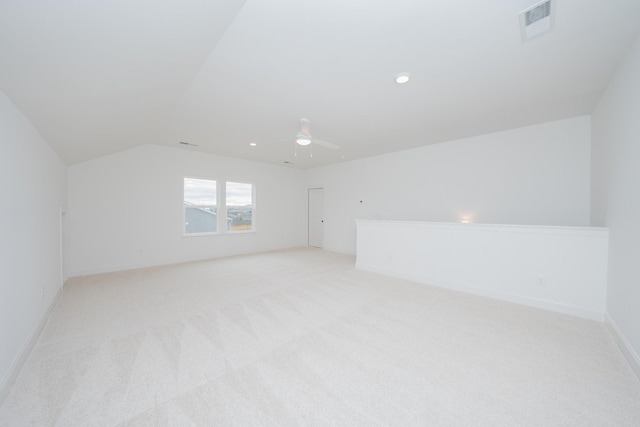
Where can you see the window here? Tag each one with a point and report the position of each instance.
(200, 206)
(204, 215)
(239, 204)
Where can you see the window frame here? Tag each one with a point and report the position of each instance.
(184, 209)
(221, 208)
(253, 206)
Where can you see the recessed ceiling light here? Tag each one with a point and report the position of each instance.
(253, 144)
(402, 78)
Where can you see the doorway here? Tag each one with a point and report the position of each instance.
(316, 217)
(63, 247)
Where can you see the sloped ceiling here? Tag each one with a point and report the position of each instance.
(97, 77)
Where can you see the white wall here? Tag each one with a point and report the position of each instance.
(125, 209)
(33, 188)
(533, 175)
(563, 269)
(616, 194)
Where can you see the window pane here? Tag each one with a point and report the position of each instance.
(239, 206)
(200, 212)
(199, 192)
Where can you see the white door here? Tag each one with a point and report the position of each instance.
(316, 217)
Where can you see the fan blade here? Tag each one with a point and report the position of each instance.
(305, 126)
(325, 144)
(279, 141)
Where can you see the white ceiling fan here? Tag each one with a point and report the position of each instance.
(304, 137)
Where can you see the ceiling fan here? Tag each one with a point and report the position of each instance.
(304, 137)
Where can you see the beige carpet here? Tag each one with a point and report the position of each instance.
(300, 337)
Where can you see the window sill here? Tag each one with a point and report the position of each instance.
(200, 234)
(225, 233)
(240, 232)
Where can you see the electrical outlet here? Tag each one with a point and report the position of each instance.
(42, 292)
(541, 282)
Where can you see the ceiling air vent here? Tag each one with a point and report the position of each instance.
(191, 144)
(537, 20)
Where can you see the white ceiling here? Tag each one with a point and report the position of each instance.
(97, 77)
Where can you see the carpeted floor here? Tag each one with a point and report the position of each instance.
(300, 337)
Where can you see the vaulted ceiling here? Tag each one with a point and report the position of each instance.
(97, 77)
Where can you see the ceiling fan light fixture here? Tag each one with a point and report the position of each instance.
(402, 78)
(303, 140)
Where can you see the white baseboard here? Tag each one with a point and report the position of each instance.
(168, 261)
(585, 313)
(21, 357)
(625, 346)
(339, 250)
